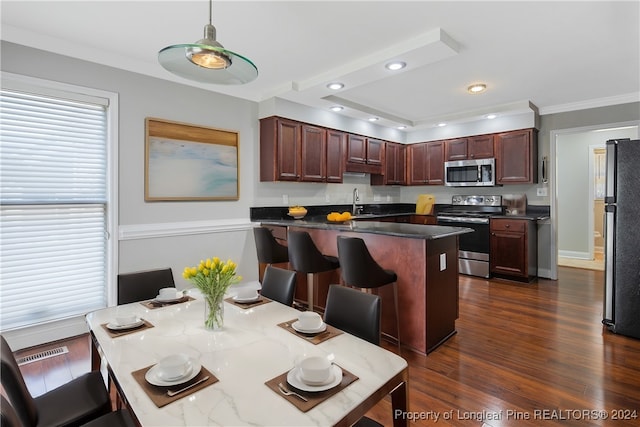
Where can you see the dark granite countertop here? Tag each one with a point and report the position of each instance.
(413, 231)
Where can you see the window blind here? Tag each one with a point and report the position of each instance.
(53, 205)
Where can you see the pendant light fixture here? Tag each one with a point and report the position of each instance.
(207, 61)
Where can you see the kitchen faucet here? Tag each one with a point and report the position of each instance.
(356, 197)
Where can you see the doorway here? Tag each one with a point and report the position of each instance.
(579, 191)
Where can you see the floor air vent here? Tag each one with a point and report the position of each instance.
(42, 355)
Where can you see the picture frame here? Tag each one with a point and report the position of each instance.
(185, 162)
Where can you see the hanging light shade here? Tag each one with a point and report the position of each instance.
(207, 61)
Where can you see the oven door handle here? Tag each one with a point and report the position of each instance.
(463, 219)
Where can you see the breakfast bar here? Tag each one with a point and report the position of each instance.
(425, 259)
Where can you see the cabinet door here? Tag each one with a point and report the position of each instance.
(375, 152)
(515, 157)
(480, 147)
(417, 155)
(400, 176)
(508, 253)
(356, 149)
(435, 161)
(456, 149)
(288, 151)
(335, 159)
(313, 154)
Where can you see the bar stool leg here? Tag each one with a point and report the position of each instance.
(395, 300)
(310, 278)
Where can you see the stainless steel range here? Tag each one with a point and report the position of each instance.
(472, 212)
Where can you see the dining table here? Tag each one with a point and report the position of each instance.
(255, 350)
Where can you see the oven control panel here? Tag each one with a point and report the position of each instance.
(477, 200)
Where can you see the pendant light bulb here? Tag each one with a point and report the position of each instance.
(208, 58)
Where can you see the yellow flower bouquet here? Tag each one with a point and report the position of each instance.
(213, 277)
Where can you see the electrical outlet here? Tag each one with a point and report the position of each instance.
(376, 198)
(541, 191)
(327, 198)
(285, 199)
(443, 262)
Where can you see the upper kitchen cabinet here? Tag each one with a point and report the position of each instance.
(364, 154)
(394, 167)
(335, 157)
(426, 163)
(295, 151)
(473, 147)
(516, 156)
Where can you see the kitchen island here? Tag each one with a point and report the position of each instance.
(425, 259)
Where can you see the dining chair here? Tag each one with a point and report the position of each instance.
(8, 416)
(76, 402)
(357, 313)
(353, 311)
(305, 257)
(143, 285)
(361, 270)
(279, 285)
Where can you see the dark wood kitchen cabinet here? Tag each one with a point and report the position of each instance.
(364, 154)
(426, 163)
(514, 248)
(295, 151)
(516, 157)
(394, 167)
(473, 147)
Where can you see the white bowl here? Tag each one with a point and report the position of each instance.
(174, 366)
(309, 320)
(315, 369)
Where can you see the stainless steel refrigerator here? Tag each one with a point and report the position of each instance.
(622, 238)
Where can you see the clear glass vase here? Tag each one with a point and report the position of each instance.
(214, 312)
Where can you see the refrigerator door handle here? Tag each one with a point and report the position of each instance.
(609, 278)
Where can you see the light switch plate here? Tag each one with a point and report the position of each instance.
(285, 199)
(443, 262)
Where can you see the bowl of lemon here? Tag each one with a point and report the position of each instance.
(297, 212)
(339, 217)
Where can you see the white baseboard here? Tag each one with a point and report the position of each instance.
(574, 254)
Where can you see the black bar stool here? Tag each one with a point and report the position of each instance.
(360, 270)
(267, 247)
(305, 257)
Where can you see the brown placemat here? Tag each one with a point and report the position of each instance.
(151, 304)
(329, 333)
(115, 334)
(314, 398)
(159, 396)
(261, 300)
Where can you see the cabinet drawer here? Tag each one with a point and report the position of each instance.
(519, 226)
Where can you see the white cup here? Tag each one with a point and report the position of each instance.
(315, 369)
(126, 319)
(246, 293)
(309, 320)
(168, 293)
(174, 365)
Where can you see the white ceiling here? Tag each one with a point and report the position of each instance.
(556, 55)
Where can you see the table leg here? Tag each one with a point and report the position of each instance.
(399, 400)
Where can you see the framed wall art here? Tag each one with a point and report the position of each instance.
(189, 162)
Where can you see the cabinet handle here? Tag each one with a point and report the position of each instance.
(507, 226)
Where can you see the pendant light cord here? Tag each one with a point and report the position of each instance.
(210, 12)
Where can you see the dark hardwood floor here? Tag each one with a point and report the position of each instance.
(524, 355)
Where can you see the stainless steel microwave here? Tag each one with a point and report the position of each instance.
(470, 173)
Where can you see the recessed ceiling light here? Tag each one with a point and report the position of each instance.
(441, 124)
(396, 65)
(491, 116)
(373, 119)
(477, 88)
(401, 127)
(335, 86)
(337, 108)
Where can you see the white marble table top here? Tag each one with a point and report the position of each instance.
(250, 350)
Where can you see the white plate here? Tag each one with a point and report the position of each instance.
(160, 299)
(116, 327)
(153, 375)
(293, 378)
(250, 299)
(296, 325)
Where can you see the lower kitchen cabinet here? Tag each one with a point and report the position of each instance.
(514, 248)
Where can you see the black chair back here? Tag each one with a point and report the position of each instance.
(279, 285)
(267, 247)
(8, 416)
(13, 383)
(355, 312)
(304, 255)
(358, 266)
(143, 285)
